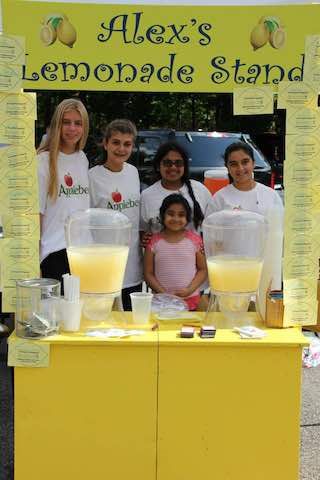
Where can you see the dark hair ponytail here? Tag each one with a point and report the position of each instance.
(197, 212)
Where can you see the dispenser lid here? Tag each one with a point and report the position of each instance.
(94, 218)
(234, 218)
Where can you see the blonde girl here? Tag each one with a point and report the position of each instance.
(63, 182)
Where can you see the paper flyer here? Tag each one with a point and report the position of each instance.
(300, 221)
(10, 78)
(20, 250)
(14, 105)
(19, 179)
(12, 49)
(301, 174)
(303, 148)
(17, 131)
(302, 120)
(19, 201)
(21, 226)
(22, 157)
(306, 198)
(301, 244)
(312, 59)
(9, 299)
(253, 101)
(300, 290)
(27, 353)
(300, 313)
(12, 272)
(300, 267)
(297, 94)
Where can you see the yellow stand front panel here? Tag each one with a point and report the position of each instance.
(91, 414)
(229, 409)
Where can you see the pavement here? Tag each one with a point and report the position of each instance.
(310, 421)
(310, 425)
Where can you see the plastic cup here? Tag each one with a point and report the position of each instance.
(71, 315)
(141, 306)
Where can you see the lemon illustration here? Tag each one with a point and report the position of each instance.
(48, 35)
(66, 33)
(259, 36)
(278, 38)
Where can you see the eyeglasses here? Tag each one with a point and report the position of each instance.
(166, 162)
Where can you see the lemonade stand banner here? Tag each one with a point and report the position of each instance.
(160, 48)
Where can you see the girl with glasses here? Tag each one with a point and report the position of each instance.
(171, 164)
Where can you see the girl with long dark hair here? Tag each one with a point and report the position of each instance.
(171, 164)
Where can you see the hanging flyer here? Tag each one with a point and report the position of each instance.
(17, 131)
(300, 290)
(24, 353)
(19, 201)
(10, 78)
(17, 157)
(298, 174)
(14, 105)
(301, 198)
(301, 313)
(252, 101)
(312, 59)
(300, 267)
(297, 94)
(302, 120)
(12, 49)
(19, 179)
(21, 226)
(303, 148)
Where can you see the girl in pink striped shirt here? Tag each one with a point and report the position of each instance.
(174, 261)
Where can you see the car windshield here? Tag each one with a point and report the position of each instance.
(207, 151)
(147, 147)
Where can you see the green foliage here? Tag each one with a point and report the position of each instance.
(179, 111)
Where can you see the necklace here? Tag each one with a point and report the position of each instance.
(110, 169)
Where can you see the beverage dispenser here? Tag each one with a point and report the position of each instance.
(98, 246)
(234, 242)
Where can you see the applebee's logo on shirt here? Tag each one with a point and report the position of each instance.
(70, 189)
(120, 204)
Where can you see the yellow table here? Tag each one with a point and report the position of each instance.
(161, 407)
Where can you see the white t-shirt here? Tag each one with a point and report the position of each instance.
(73, 195)
(121, 191)
(152, 198)
(259, 200)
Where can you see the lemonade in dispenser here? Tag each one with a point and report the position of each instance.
(234, 242)
(98, 246)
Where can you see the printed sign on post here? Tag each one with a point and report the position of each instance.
(27, 353)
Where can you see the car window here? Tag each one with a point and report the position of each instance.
(259, 158)
(147, 147)
(205, 151)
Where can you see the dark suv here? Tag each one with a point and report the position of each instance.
(205, 151)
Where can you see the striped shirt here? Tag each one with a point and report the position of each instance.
(175, 263)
